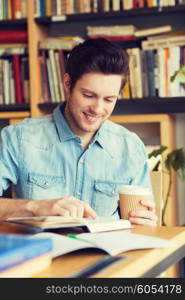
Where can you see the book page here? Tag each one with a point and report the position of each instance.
(63, 244)
(119, 241)
(111, 242)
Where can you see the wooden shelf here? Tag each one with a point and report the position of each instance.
(14, 115)
(14, 107)
(13, 22)
(140, 106)
(113, 14)
(150, 106)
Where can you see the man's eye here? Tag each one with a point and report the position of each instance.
(109, 100)
(88, 95)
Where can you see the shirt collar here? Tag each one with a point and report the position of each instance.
(65, 133)
(101, 137)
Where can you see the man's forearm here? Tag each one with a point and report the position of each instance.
(14, 208)
(65, 206)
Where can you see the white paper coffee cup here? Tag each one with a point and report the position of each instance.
(130, 197)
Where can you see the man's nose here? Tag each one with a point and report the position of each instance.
(97, 106)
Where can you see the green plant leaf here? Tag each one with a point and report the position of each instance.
(181, 173)
(176, 160)
(179, 75)
(157, 152)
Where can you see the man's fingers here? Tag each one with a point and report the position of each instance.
(89, 212)
(141, 221)
(147, 214)
(149, 204)
(74, 207)
(83, 207)
(143, 217)
(60, 211)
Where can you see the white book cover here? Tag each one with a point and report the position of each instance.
(56, 222)
(174, 65)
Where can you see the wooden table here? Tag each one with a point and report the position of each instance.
(137, 263)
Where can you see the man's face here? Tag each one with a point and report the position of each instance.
(91, 102)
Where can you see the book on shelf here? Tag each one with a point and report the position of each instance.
(50, 80)
(144, 72)
(114, 38)
(55, 81)
(127, 4)
(17, 76)
(166, 35)
(132, 78)
(115, 30)
(106, 5)
(58, 222)
(59, 76)
(172, 41)
(16, 9)
(1, 82)
(141, 3)
(6, 76)
(25, 79)
(112, 243)
(150, 56)
(59, 43)
(135, 72)
(13, 36)
(21, 256)
(152, 31)
(12, 51)
(116, 5)
(44, 79)
(8, 49)
(126, 93)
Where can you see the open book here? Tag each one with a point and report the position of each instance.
(56, 222)
(112, 243)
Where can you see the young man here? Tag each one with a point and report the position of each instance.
(72, 163)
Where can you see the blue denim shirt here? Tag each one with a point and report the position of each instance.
(43, 159)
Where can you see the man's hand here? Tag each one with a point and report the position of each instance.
(66, 206)
(145, 217)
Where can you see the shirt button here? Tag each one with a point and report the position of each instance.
(45, 183)
(81, 161)
(113, 192)
(78, 193)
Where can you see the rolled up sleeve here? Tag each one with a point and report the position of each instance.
(9, 154)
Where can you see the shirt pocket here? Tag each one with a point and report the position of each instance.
(41, 186)
(106, 196)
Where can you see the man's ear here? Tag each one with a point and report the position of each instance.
(66, 83)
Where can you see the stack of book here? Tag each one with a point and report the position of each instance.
(21, 256)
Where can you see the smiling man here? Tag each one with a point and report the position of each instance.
(73, 162)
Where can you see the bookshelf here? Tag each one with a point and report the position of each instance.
(13, 112)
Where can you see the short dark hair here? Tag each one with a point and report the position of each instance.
(97, 55)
